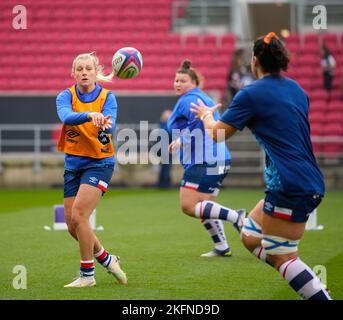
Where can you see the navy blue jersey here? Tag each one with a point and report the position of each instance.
(276, 109)
(197, 146)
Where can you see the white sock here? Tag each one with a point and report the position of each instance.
(103, 257)
(260, 253)
(87, 268)
(215, 228)
(303, 280)
(212, 210)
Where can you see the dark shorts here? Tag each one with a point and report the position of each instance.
(291, 208)
(205, 178)
(96, 176)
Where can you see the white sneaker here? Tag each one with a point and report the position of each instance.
(115, 269)
(217, 253)
(82, 282)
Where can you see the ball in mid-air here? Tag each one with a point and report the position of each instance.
(127, 63)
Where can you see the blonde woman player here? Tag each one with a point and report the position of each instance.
(88, 112)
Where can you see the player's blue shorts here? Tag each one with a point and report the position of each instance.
(292, 208)
(98, 177)
(205, 178)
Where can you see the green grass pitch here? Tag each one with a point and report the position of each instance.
(159, 248)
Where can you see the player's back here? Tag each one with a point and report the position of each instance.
(279, 120)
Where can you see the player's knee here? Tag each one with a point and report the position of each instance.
(71, 230)
(279, 249)
(251, 234)
(187, 209)
(250, 243)
(78, 216)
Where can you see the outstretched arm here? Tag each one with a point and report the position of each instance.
(218, 130)
(68, 116)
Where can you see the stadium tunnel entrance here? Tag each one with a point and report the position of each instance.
(268, 16)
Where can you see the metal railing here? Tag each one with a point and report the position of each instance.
(27, 139)
(35, 142)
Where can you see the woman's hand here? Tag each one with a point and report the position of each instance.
(202, 111)
(174, 145)
(99, 120)
(107, 123)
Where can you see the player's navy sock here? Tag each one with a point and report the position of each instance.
(103, 257)
(212, 210)
(87, 268)
(215, 228)
(303, 280)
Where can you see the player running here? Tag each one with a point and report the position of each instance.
(206, 163)
(275, 109)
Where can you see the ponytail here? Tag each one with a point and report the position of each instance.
(271, 53)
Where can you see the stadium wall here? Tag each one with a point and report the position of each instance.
(20, 173)
(42, 109)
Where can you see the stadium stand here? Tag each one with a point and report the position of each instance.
(326, 110)
(36, 61)
(39, 58)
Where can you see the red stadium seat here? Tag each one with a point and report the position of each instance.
(53, 39)
(306, 83)
(293, 38)
(311, 38)
(309, 60)
(192, 40)
(316, 129)
(333, 129)
(334, 117)
(228, 39)
(210, 41)
(331, 150)
(335, 105)
(318, 95)
(330, 39)
(306, 71)
(317, 117)
(317, 82)
(294, 48)
(336, 94)
(311, 49)
(318, 105)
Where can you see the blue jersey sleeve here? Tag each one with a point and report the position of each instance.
(240, 111)
(110, 108)
(182, 115)
(65, 110)
(186, 107)
(177, 119)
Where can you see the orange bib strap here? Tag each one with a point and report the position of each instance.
(86, 139)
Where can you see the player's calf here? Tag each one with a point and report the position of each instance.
(282, 253)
